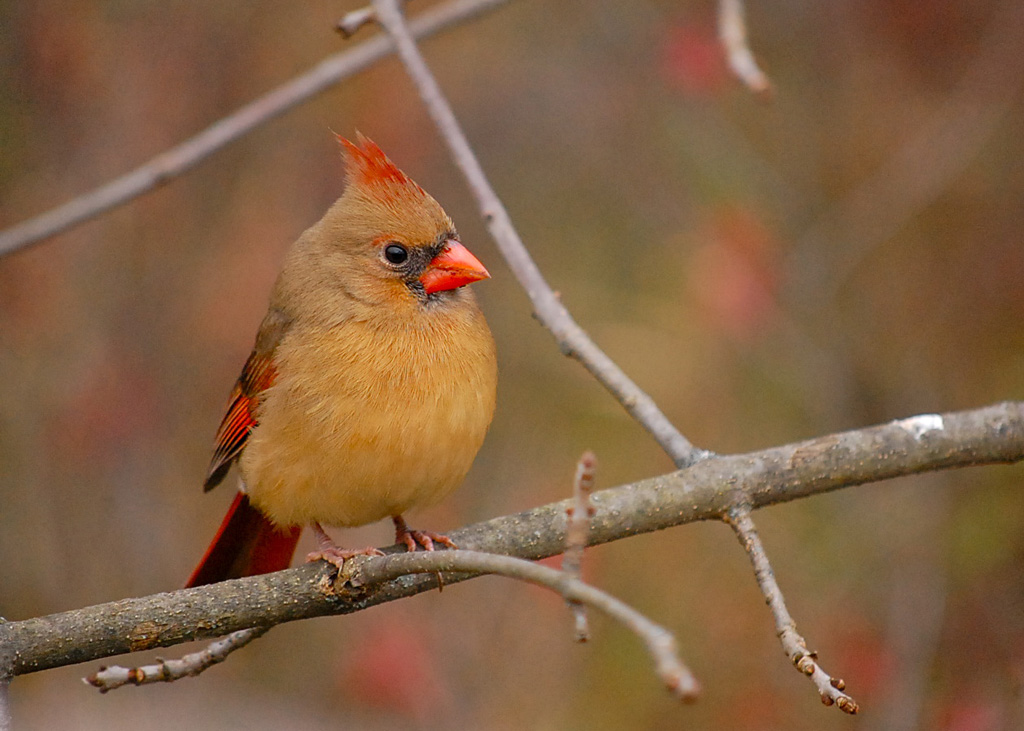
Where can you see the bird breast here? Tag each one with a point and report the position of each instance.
(368, 419)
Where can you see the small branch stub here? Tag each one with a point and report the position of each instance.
(353, 20)
(577, 533)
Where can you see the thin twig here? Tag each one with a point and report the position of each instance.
(732, 31)
(795, 647)
(177, 160)
(571, 338)
(577, 532)
(167, 671)
(659, 642)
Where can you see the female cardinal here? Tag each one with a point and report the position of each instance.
(371, 384)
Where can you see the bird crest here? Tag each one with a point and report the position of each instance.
(369, 167)
(382, 200)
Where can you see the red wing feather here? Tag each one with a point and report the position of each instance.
(247, 542)
(238, 422)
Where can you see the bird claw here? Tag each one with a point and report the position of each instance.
(412, 538)
(338, 556)
(329, 551)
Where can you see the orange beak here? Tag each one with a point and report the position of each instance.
(454, 267)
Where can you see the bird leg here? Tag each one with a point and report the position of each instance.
(329, 551)
(408, 536)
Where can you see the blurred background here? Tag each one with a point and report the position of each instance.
(847, 254)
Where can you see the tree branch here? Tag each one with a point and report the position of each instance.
(177, 160)
(707, 490)
(793, 644)
(571, 338)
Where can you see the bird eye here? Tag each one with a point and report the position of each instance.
(396, 253)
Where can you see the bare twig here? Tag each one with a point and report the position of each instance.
(704, 491)
(189, 153)
(577, 532)
(795, 647)
(659, 641)
(570, 336)
(167, 671)
(732, 31)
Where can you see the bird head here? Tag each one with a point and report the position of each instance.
(387, 239)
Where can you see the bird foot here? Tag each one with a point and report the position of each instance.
(329, 551)
(337, 556)
(411, 538)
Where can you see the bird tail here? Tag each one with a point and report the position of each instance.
(247, 544)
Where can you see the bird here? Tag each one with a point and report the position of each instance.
(371, 384)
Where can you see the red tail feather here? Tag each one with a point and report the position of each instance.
(247, 544)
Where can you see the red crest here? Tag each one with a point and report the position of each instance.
(369, 166)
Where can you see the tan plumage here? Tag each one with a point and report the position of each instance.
(378, 378)
(371, 417)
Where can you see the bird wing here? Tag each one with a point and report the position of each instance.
(257, 376)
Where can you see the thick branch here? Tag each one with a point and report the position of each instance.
(706, 490)
(191, 152)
